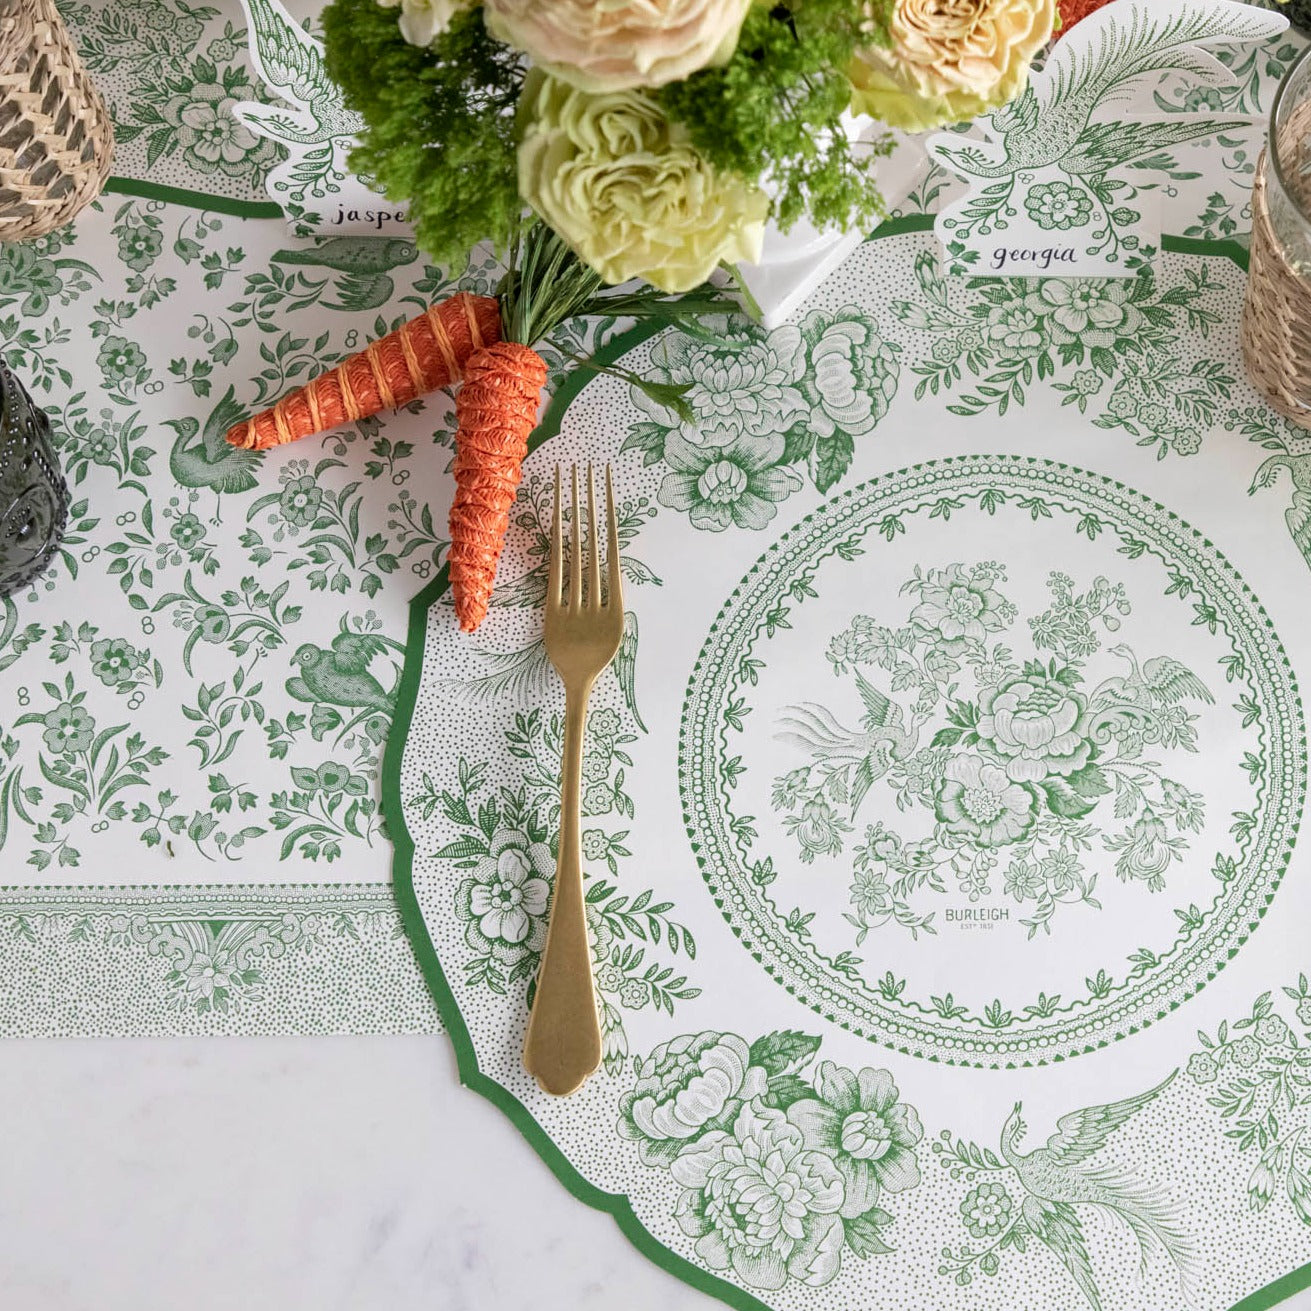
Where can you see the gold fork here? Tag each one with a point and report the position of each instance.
(563, 1045)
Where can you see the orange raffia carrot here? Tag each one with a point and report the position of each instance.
(1075, 11)
(420, 356)
(496, 411)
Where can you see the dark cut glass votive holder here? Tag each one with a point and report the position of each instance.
(33, 493)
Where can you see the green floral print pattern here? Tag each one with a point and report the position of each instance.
(1031, 1205)
(1253, 1073)
(1012, 771)
(504, 856)
(781, 1173)
(765, 412)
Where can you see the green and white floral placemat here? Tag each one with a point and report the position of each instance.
(941, 819)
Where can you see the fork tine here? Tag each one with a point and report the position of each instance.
(614, 580)
(575, 552)
(556, 579)
(594, 545)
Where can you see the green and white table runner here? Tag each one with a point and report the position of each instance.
(197, 694)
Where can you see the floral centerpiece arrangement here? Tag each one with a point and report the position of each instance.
(613, 141)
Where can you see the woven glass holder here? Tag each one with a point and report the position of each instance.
(1277, 312)
(56, 139)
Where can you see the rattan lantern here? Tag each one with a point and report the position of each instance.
(56, 139)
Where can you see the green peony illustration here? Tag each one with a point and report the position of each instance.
(781, 1171)
(870, 1135)
(749, 382)
(208, 134)
(982, 804)
(1097, 312)
(740, 482)
(760, 1203)
(1038, 726)
(767, 411)
(692, 1084)
(961, 607)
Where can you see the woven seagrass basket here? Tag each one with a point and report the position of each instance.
(56, 139)
(1276, 332)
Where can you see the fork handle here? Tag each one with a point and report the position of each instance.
(563, 1045)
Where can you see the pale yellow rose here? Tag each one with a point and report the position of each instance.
(614, 45)
(950, 60)
(423, 21)
(625, 188)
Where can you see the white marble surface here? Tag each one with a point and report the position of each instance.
(347, 1174)
(339, 1174)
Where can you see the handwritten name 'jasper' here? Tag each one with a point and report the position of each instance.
(375, 218)
(1039, 259)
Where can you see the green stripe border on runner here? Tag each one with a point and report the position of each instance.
(251, 209)
(894, 227)
(616, 1205)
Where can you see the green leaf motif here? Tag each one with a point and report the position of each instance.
(783, 1051)
(865, 1233)
(831, 458)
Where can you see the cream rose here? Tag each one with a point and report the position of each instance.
(423, 21)
(614, 45)
(950, 60)
(624, 187)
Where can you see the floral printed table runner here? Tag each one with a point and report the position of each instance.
(941, 811)
(196, 696)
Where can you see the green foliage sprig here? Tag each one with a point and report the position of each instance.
(772, 111)
(439, 122)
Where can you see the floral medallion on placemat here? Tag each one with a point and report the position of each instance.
(1003, 744)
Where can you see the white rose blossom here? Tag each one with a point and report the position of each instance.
(616, 45)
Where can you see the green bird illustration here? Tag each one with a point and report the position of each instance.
(1298, 514)
(202, 457)
(290, 63)
(1066, 118)
(1057, 1180)
(885, 736)
(340, 677)
(363, 262)
(1158, 682)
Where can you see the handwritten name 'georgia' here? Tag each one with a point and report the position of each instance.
(1040, 259)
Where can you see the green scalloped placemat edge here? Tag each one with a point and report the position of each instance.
(471, 1076)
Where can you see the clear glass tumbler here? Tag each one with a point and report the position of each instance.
(1277, 312)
